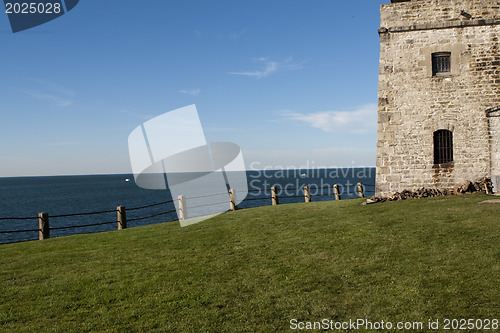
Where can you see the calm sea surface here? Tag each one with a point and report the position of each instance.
(60, 195)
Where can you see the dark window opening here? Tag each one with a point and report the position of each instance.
(441, 63)
(443, 146)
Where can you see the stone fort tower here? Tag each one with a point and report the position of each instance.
(439, 94)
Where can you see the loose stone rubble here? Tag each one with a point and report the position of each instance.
(484, 186)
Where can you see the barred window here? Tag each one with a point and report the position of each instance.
(441, 63)
(443, 146)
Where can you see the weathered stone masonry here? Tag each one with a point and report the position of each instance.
(414, 102)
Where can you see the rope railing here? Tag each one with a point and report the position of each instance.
(276, 194)
(209, 204)
(347, 185)
(292, 196)
(43, 219)
(82, 226)
(16, 231)
(151, 216)
(206, 195)
(17, 218)
(152, 205)
(322, 195)
(83, 214)
(254, 199)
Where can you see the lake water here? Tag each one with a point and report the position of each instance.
(61, 195)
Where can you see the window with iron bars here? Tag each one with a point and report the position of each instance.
(441, 63)
(443, 146)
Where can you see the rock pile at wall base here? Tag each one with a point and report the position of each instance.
(483, 186)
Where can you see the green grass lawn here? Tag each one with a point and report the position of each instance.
(254, 270)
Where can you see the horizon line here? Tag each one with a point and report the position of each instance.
(130, 173)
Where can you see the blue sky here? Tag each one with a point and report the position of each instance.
(294, 83)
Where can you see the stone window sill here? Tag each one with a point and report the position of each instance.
(443, 76)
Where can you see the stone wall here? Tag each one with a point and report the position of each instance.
(413, 104)
(422, 12)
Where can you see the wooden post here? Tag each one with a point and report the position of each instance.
(183, 214)
(43, 226)
(336, 191)
(307, 194)
(487, 191)
(360, 190)
(232, 199)
(274, 196)
(122, 217)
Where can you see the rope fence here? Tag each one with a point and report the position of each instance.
(14, 231)
(82, 226)
(322, 195)
(83, 214)
(255, 199)
(121, 220)
(206, 195)
(209, 204)
(152, 205)
(17, 218)
(151, 216)
(293, 196)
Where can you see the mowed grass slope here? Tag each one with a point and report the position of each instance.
(254, 270)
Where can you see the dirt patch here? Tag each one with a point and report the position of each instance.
(491, 201)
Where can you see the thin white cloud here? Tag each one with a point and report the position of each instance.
(55, 99)
(270, 67)
(359, 121)
(193, 92)
(237, 35)
(52, 92)
(55, 88)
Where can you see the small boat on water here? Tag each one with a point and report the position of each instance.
(127, 179)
